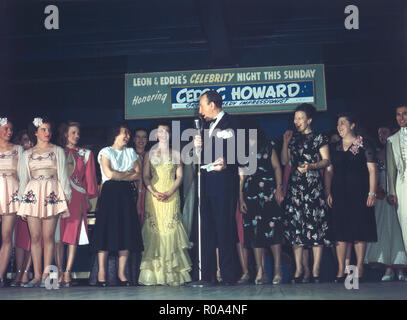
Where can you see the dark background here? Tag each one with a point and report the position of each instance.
(77, 72)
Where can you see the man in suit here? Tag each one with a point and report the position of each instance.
(397, 170)
(219, 190)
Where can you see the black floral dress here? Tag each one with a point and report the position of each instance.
(306, 218)
(262, 222)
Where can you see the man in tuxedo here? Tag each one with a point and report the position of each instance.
(397, 170)
(219, 190)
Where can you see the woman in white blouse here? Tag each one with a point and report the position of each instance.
(117, 229)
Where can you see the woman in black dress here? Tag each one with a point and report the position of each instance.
(260, 195)
(350, 188)
(305, 222)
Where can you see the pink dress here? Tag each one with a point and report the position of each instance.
(8, 180)
(44, 186)
(83, 184)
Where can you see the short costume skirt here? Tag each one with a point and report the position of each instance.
(8, 193)
(43, 198)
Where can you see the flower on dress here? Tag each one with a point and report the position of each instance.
(358, 143)
(37, 122)
(3, 121)
(52, 198)
(30, 197)
(14, 197)
(271, 224)
(81, 152)
(261, 184)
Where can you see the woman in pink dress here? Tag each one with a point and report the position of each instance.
(81, 168)
(21, 234)
(44, 192)
(10, 155)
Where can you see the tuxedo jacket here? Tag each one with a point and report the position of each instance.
(395, 164)
(222, 143)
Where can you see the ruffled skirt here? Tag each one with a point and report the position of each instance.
(165, 260)
(8, 195)
(43, 198)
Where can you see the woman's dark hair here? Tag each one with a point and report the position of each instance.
(162, 122)
(63, 130)
(308, 109)
(19, 136)
(351, 118)
(262, 139)
(32, 129)
(115, 131)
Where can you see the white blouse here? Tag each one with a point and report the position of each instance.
(120, 160)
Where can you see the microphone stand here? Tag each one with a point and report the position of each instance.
(200, 283)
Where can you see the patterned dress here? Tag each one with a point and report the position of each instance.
(9, 203)
(165, 259)
(262, 222)
(44, 185)
(306, 220)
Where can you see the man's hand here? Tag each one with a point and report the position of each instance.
(198, 142)
(220, 166)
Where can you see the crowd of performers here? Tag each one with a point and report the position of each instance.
(344, 192)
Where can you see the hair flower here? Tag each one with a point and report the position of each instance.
(3, 121)
(37, 122)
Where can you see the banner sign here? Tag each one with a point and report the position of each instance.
(243, 90)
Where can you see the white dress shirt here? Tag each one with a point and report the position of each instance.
(213, 125)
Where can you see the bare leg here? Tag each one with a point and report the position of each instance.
(20, 255)
(7, 227)
(59, 258)
(35, 227)
(258, 255)
(72, 251)
(26, 266)
(102, 261)
(48, 234)
(243, 257)
(360, 250)
(123, 257)
(341, 254)
(278, 274)
(348, 254)
(218, 276)
(298, 250)
(317, 251)
(305, 264)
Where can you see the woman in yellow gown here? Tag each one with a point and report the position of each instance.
(165, 259)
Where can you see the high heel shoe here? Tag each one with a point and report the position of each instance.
(34, 283)
(15, 283)
(67, 284)
(245, 279)
(387, 278)
(102, 284)
(218, 276)
(316, 279)
(340, 279)
(124, 283)
(277, 279)
(299, 279)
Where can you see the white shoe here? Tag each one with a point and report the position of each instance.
(388, 278)
(402, 277)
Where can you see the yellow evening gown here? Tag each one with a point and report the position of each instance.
(165, 259)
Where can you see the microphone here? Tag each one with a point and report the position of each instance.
(197, 124)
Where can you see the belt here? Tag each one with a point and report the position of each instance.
(8, 173)
(44, 174)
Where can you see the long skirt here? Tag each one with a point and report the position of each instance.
(117, 226)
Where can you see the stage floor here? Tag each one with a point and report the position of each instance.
(325, 291)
